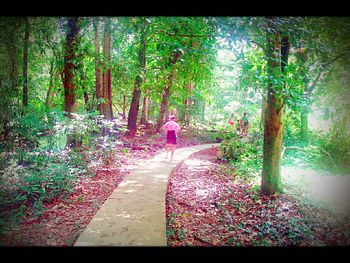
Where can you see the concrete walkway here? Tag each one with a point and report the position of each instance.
(134, 214)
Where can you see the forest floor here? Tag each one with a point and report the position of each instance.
(64, 219)
(206, 206)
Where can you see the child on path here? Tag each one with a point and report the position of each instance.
(172, 129)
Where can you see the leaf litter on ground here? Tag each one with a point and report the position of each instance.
(64, 218)
(205, 206)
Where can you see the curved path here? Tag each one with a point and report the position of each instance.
(134, 214)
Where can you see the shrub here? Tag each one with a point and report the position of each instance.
(245, 155)
(41, 176)
(334, 150)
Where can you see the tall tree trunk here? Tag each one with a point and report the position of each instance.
(184, 116)
(277, 60)
(166, 92)
(135, 101)
(69, 75)
(144, 115)
(98, 75)
(164, 104)
(272, 144)
(69, 67)
(134, 107)
(25, 63)
(106, 76)
(11, 88)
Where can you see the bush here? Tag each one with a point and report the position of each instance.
(326, 151)
(200, 136)
(245, 155)
(334, 150)
(38, 178)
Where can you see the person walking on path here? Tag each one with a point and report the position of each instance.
(171, 128)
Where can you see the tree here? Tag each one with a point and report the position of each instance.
(186, 46)
(278, 50)
(324, 46)
(9, 74)
(69, 73)
(135, 101)
(145, 110)
(106, 105)
(166, 92)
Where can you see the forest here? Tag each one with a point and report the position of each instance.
(84, 101)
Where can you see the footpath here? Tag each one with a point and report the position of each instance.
(134, 214)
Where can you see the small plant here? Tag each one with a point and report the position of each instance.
(80, 199)
(230, 241)
(170, 232)
(181, 234)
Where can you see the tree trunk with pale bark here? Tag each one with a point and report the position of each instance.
(106, 106)
(278, 50)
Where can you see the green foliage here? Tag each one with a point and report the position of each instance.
(83, 126)
(245, 155)
(291, 130)
(227, 134)
(334, 151)
(328, 151)
(200, 135)
(33, 178)
(223, 69)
